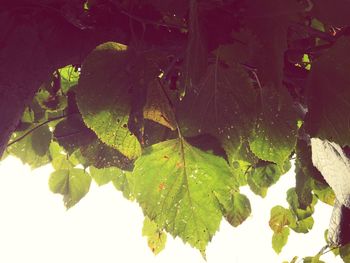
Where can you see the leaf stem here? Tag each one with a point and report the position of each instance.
(34, 128)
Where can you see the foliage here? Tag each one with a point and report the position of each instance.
(203, 98)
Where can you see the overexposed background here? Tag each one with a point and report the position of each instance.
(105, 227)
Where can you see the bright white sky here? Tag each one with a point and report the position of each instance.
(105, 227)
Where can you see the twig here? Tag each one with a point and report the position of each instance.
(34, 128)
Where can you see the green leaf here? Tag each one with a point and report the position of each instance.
(328, 94)
(156, 238)
(72, 133)
(69, 77)
(222, 107)
(111, 81)
(23, 150)
(122, 180)
(73, 184)
(279, 239)
(101, 155)
(292, 199)
(172, 179)
(303, 226)
(41, 139)
(236, 208)
(274, 136)
(324, 193)
(279, 218)
(344, 252)
(263, 175)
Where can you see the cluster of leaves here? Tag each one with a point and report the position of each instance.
(181, 127)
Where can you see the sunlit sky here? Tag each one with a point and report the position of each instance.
(105, 227)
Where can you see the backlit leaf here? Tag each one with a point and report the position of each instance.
(156, 238)
(73, 184)
(279, 239)
(172, 179)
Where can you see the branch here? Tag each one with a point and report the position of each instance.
(34, 128)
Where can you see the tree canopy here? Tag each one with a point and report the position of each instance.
(180, 103)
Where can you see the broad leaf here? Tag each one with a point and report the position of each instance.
(274, 136)
(292, 199)
(303, 225)
(221, 106)
(172, 179)
(111, 82)
(73, 184)
(41, 139)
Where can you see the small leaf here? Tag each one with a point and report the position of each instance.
(303, 226)
(279, 218)
(41, 139)
(156, 238)
(236, 209)
(292, 199)
(279, 239)
(73, 184)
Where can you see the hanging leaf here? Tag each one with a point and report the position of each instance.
(69, 77)
(156, 238)
(158, 107)
(263, 175)
(279, 239)
(41, 139)
(73, 184)
(172, 179)
(328, 95)
(112, 80)
(292, 199)
(221, 106)
(71, 133)
(279, 218)
(303, 225)
(274, 136)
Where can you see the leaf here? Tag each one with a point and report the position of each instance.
(41, 139)
(156, 238)
(111, 81)
(236, 208)
(344, 252)
(303, 225)
(72, 133)
(23, 150)
(324, 193)
(279, 239)
(157, 107)
(72, 183)
(69, 76)
(274, 136)
(101, 155)
(339, 229)
(263, 175)
(122, 180)
(279, 218)
(292, 199)
(328, 95)
(222, 107)
(172, 179)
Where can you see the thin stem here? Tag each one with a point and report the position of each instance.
(34, 128)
